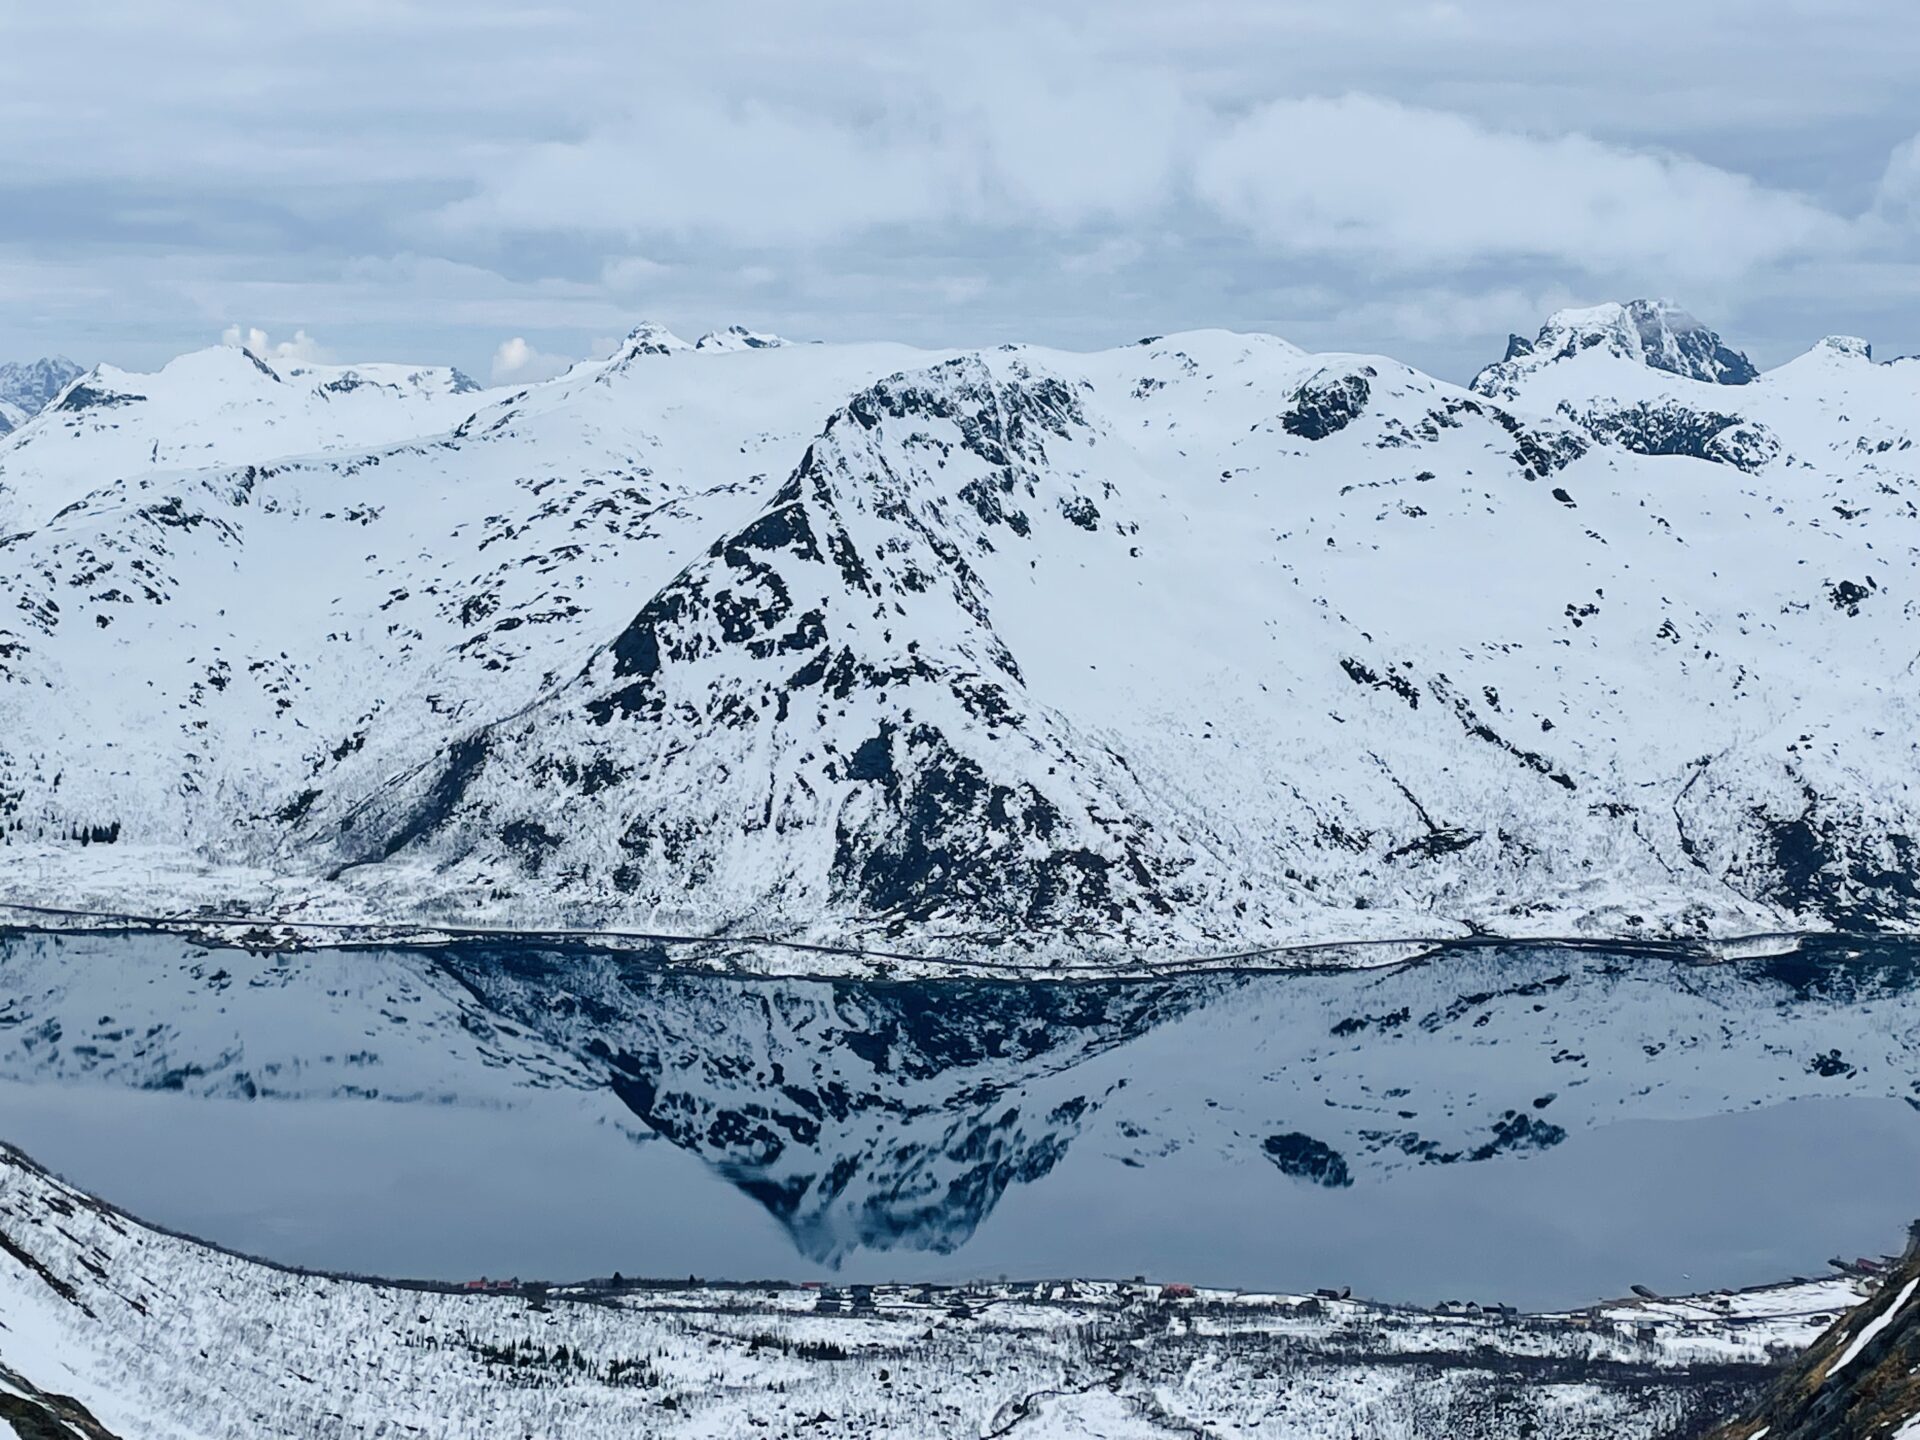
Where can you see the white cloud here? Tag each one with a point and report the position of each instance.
(1898, 196)
(302, 347)
(692, 167)
(991, 135)
(1109, 257)
(1407, 188)
(517, 362)
(1422, 316)
(632, 274)
(1076, 143)
(524, 176)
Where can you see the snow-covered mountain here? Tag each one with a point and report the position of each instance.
(1656, 333)
(737, 337)
(212, 407)
(1200, 644)
(27, 387)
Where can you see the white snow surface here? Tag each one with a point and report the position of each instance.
(1195, 646)
(1872, 1329)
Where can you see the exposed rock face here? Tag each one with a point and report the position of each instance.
(1675, 429)
(1327, 403)
(28, 388)
(1655, 333)
(33, 1414)
(1860, 1381)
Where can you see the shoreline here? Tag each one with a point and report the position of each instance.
(749, 956)
(1816, 1295)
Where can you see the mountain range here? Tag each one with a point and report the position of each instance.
(1203, 644)
(26, 389)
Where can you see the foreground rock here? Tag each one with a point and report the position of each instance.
(1859, 1381)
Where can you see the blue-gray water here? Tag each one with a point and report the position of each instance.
(1535, 1126)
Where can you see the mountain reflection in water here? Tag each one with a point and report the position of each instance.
(886, 1117)
(1554, 1122)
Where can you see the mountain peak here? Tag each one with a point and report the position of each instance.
(649, 338)
(1851, 347)
(1656, 333)
(27, 387)
(737, 337)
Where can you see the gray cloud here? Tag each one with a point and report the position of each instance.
(1418, 190)
(1404, 175)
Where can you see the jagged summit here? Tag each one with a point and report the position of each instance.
(27, 387)
(652, 338)
(1850, 346)
(31, 384)
(648, 338)
(1656, 333)
(737, 337)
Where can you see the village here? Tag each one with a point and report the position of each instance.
(1759, 1323)
(86, 1308)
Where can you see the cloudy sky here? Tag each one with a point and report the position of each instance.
(505, 185)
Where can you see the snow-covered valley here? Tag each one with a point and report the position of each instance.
(1198, 645)
(111, 1329)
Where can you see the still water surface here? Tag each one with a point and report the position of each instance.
(1535, 1126)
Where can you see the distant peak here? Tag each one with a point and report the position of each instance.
(1656, 333)
(30, 385)
(1851, 346)
(210, 361)
(647, 338)
(738, 337)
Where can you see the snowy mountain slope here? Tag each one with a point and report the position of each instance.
(221, 405)
(1842, 422)
(247, 623)
(1859, 1380)
(737, 337)
(28, 387)
(1198, 644)
(155, 1335)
